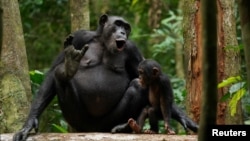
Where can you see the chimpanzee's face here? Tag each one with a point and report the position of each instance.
(143, 78)
(115, 33)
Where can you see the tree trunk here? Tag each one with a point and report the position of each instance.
(154, 13)
(179, 67)
(15, 88)
(1, 28)
(228, 57)
(193, 56)
(179, 60)
(209, 68)
(244, 10)
(79, 13)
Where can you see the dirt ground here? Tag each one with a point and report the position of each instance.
(102, 137)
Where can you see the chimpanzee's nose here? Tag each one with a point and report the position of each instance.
(123, 33)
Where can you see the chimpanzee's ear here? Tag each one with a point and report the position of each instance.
(155, 72)
(103, 19)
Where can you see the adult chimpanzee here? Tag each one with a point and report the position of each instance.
(159, 93)
(92, 80)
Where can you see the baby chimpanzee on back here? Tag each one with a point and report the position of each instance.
(160, 96)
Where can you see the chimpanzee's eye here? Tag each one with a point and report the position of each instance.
(140, 72)
(118, 23)
(127, 27)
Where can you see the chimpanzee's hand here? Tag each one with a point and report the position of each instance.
(23, 133)
(72, 59)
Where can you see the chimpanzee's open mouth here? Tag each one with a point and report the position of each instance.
(120, 43)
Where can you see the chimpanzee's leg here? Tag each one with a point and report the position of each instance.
(183, 119)
(141, 119)
(137, 126)
(153, 120)
(130, 106)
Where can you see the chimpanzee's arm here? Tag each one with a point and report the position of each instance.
(67, 70)
(134, 58)
(166, 98)
(75, 46)
(166, 101)
(165, 108)
(44, 96)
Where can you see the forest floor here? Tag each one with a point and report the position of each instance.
(102, 137)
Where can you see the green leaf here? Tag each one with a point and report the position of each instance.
(225, 97)
(36, 76)
(229, 81)
(39, 2)
(146, 125)
(59, 128)
(236, 97)
(134, 2)
(235, 87)
(247, 122)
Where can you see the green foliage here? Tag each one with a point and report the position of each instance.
(170, 32)
(166, 37)
(237, 91)
(45, 25)
(179, 89)
(62, 128)
(246, 107)
(229, 81)
(235, 98)
(36, 78)
(52, 121)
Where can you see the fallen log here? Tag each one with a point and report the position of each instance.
(101, 137)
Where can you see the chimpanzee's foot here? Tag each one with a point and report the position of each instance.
(168, 129)
(134, 126)
(170, 132)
